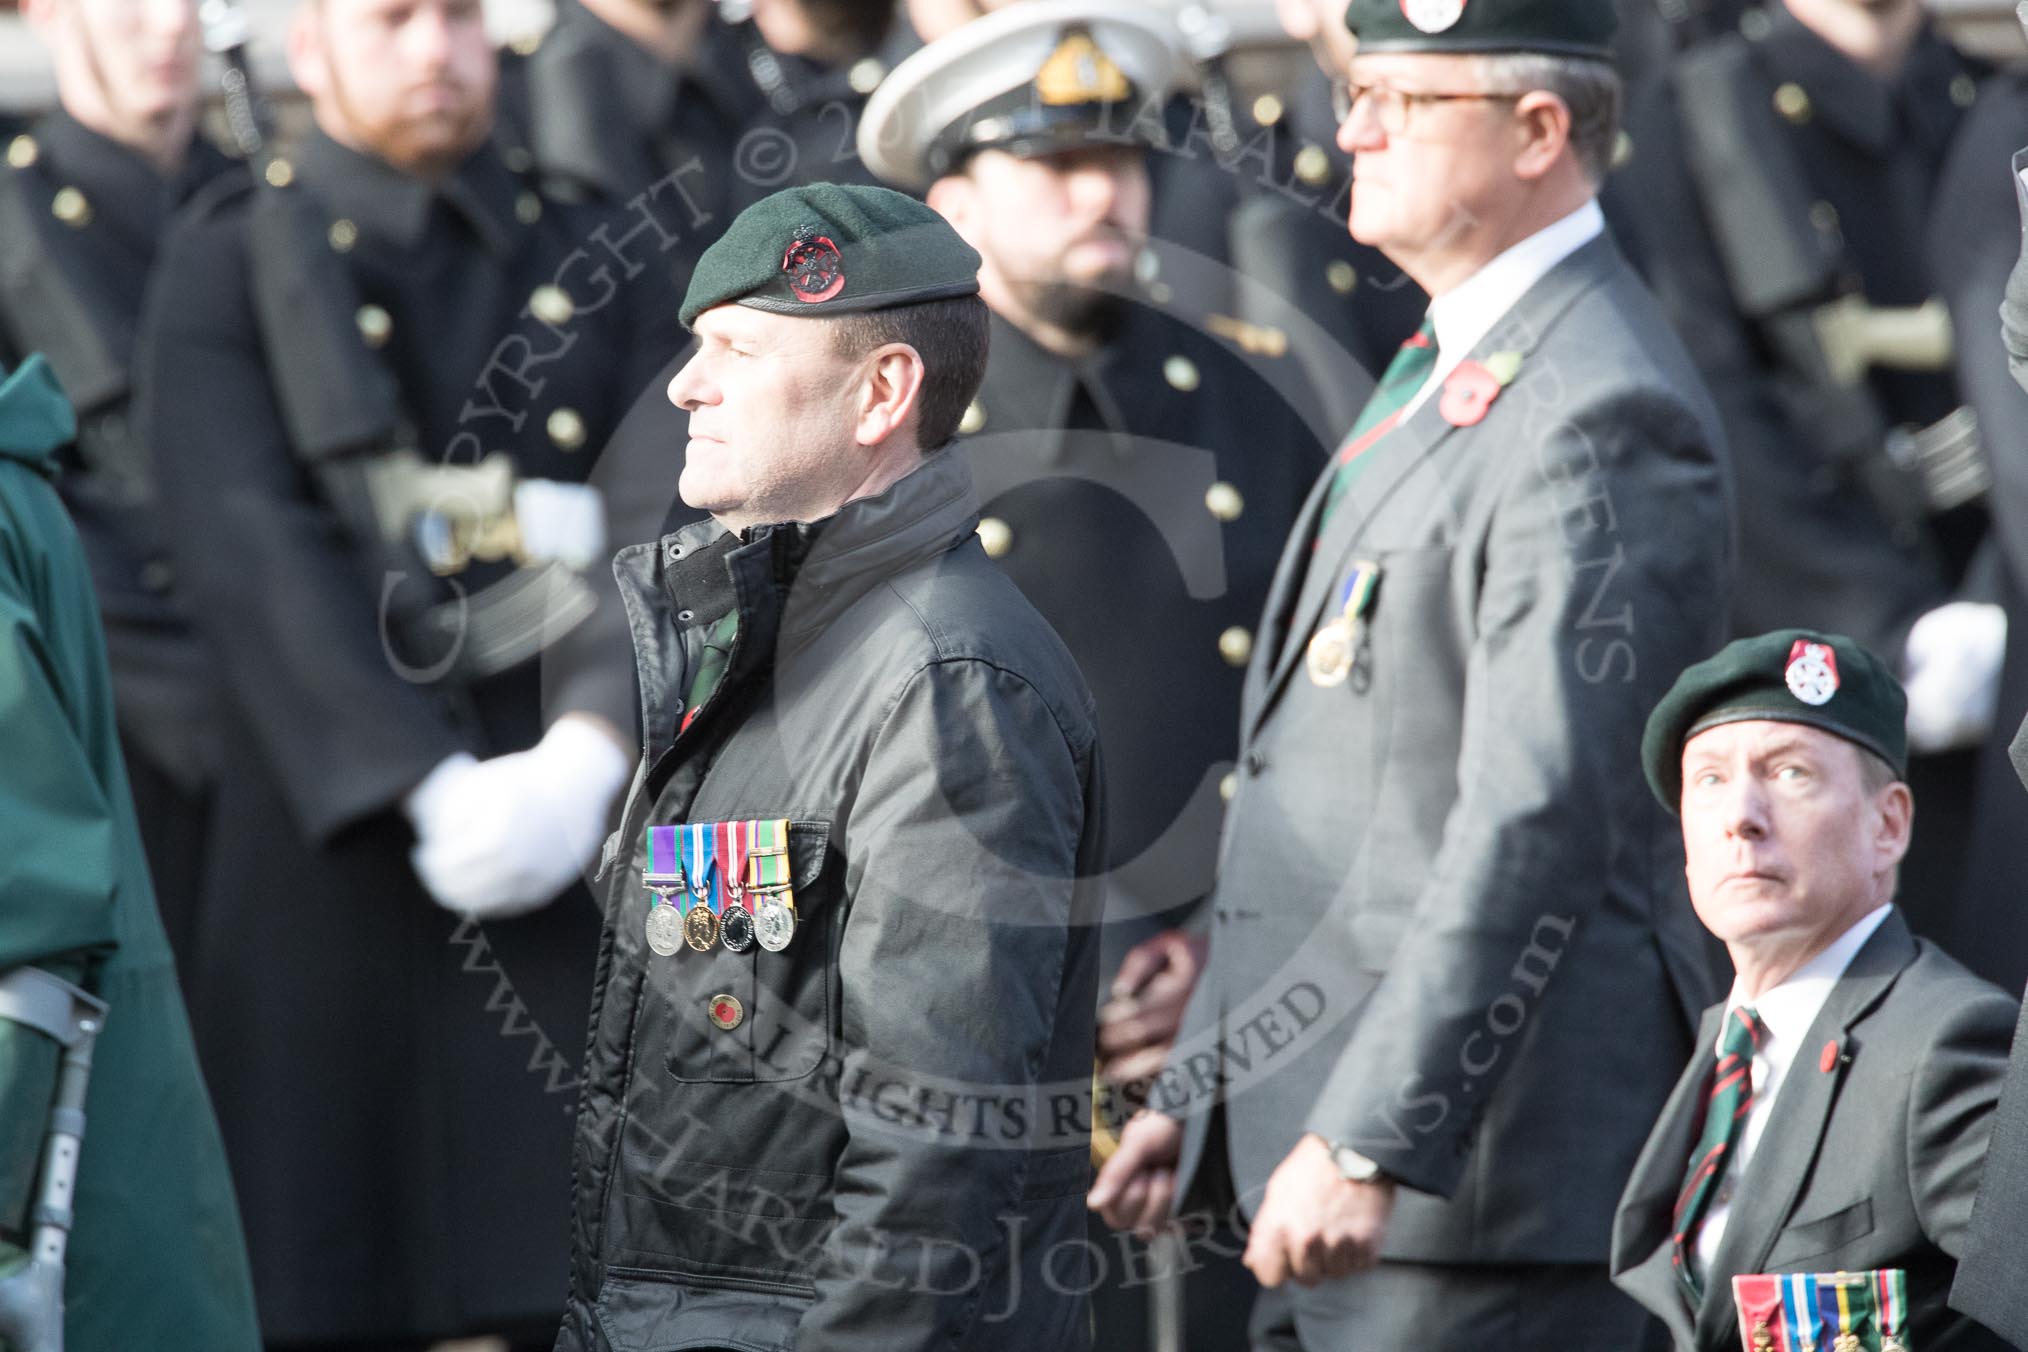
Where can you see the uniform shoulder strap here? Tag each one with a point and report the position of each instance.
(1752, 181)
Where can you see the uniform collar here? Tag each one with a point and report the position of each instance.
(399, 208)
(1858, 105)
(124, 189)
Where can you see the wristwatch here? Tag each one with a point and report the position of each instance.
(1354, 1166)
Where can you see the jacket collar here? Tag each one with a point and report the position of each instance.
(1788, 1148)
(125, 190)
(400, 208)
(1869, 112)
(790, 581)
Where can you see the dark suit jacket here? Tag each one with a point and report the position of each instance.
(1448, 921)
(1989, 1283)
(1870, 1164)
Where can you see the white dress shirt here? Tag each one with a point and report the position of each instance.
(1788, 1010)
(1468, 311)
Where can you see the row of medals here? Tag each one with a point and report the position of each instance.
(772, 923)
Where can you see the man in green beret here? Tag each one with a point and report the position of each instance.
(1835, 1113)
(837, 1093)
(1435, 894)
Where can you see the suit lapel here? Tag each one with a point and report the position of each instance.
(1643, 1242)
(1309, 575)
(1788, 1146)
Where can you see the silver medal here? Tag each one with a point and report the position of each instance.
(774, 924)
(665, 929)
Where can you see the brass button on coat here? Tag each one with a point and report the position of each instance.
(551, 304)
(71, 207)
(1180, 372)
(376, 326)
(1235, 645)
(996, 536)
(566, 428)
(1224, 501)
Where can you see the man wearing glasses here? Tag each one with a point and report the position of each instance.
(1451, 974)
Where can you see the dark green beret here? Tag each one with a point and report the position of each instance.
(1825, 681)
(1557, 27)
(832, 249)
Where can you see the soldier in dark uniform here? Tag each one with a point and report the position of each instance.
(1781, 185)
(1345, 307)
(621, 97)
(1136, 476)
(84, 197)
(390, 358)
(1972, 248)
(805, 69)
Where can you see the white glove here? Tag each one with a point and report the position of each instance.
(1952, 674)
(561, 521)
(499, 837)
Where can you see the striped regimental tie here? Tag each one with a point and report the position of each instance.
(1724, 1123)
(1413, 361)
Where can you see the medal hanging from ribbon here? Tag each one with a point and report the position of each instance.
(662, 871)
(769, 884)
(1800, 1316)
(736, 929)
(1334, 648)
(1845, 1299)
(1890, 1289)
(700, 860)
(1758, 1298)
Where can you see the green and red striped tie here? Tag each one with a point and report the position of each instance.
(1724, 1122)
(1413, 361)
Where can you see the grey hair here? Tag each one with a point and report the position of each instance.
(1589, 87)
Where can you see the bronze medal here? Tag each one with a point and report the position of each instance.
(736, 930)
(1329, 656)
(774, 923)
(665, 929)
(700, 928)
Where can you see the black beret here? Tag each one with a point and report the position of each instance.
(1555, 27)
(832, 249)
(1825, 681)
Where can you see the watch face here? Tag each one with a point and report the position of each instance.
(1355, 1166)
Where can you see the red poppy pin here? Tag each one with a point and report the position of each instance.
(815, 268)
(1468, 392)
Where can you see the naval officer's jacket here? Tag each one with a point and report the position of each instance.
(871, 1137)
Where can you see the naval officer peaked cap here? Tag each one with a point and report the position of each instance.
(1031, 79)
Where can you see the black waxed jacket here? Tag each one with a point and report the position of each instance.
(889, 1148)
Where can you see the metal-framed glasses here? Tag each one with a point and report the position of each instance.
(1392, 106)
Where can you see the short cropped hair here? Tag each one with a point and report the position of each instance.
(949, 335)
(1590, 88)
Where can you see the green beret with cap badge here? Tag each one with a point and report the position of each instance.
(832, 249)
(1553, 27)
(1825, 681)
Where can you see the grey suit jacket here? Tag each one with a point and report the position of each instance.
(1872, 1163)
(1990, 1285)
(1449, 928)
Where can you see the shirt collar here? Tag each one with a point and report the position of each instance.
(1789, 1009)
(1468, 311)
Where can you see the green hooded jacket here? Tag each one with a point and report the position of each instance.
(156, 1256)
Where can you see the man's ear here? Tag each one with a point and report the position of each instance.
(304, 49)
(1545, 124)
(956, 198)
(1894, 824)
(889, 393)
